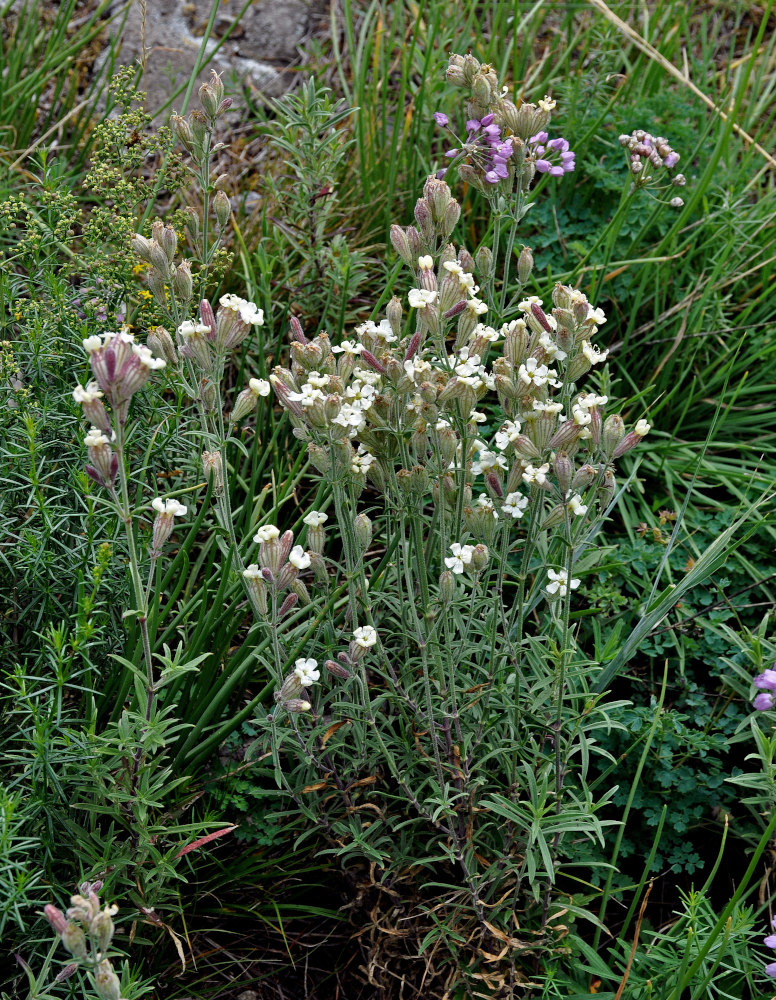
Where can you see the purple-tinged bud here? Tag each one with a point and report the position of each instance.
(539, 315)
(564, 471)
(337, 670)
(401, 245)
(583, 478)
(288, 605)
(455, 310)
(208, 100)
(183, 132)
(256, 587)
(182, 282)
(268, 576)
(595, 425)
(66, 973)
(446, 586)
(606, 489)
(55, 917)
(297, 333)
(207, 317)
(225, 105)
(450, 218)
(286, 577)
(565, 435)
(373, 363)
(495, 484)
(412, 347)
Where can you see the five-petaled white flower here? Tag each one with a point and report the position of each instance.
(559, 583)
(515, 505)
(576, 506)
(169, 507)
(307, 671)
(419, 298)
(642, 428)
(593, 355)
(365, 636)
(461, 557)
(266, 533)
(348, 347)
(315, 518)
(298, 557)
(535, 474)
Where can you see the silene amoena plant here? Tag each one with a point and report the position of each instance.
(434, 715)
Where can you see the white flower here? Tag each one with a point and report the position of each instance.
(589, 400)
(598, 316)
(144, 356)
(88, 395)
(252, 572)
(426, 263)
(318, 380)
(307, 396)
(486, 333)
(416, 368)
(581, 416)
(593, 355)
(547, 104)
(307, 671)
(92, 344)
(477, 417)
(452, 267)
(249, 312)
(576, 506)
(169, 507)
(298, 557)
(461, 557)
(539, 406)
(476, 306)
(362, 461)
(536, 475)
(266, 533)
(95, 438)
(525, 305)
(365, 636)
(419, 298)
(486, 503)
(367, 376)
(550, 348)
(642, 428)
(348, 347)
(381, 330)
(191, 329)
(510, 432)
(489, 461)
(559, 583)
(259, 386)
(315, 518)
(515, 505)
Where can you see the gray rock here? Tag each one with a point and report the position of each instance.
(256, 55)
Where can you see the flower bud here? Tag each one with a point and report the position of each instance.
(296, 705)
(606, 489)
(142, 247)
(363, 529)
(106, 982)
(554, 517)
(301, 591)
(102, 928)
(613, 432)
(167, 239)
(222, 209)
(481, 90)
(450, 218)
(447, 586)
(393, 312)
(74, 939)
(480, 558)
(564, 471)
(337, 670)
(583, 478)
(525, 263)
(159, 342)
(256, 587)
(183, 132)
(285, 608)
(55, 917)
(483, 261)
(208, 100)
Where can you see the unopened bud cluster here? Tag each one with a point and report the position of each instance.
(650, 159)
(86, 930)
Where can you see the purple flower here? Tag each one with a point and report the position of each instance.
(770, 941)
(441, 119)
(539, 137)
(473, 125)
(492, 177)
(766, 681)
(671, 160)
(487, 120)
(770, 970)
(441, 173)
(543, 166)
(763, 702)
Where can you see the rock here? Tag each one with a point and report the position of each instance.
(256, 55)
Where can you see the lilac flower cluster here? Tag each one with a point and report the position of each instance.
(770, 942)
(766, 682)
(546, 150)
(484, 146)
(645, 151)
